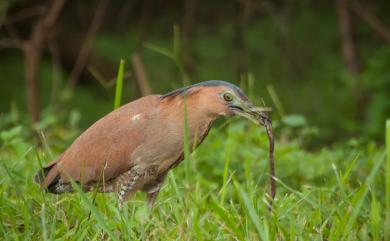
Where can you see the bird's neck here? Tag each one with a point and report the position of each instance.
(197, 111)
(189, 112)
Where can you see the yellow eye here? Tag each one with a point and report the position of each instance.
(228, 97)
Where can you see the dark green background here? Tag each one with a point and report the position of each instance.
(295, 46)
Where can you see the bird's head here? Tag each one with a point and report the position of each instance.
(221, 98)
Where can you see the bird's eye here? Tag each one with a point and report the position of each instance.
(228, 97)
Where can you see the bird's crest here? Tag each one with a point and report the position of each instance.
(186, 89)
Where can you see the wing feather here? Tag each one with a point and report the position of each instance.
(104, 150)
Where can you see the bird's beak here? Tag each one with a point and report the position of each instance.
(254, 113)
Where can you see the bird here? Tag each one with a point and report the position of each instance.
(134, 147)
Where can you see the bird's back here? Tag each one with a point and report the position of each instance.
(104, 150)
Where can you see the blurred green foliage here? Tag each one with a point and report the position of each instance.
(295, 48)
(376, 79)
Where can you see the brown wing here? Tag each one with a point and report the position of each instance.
(103, 151)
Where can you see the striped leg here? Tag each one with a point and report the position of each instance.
(127, 184)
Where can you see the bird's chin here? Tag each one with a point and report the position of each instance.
(257, 117)
(236, 110)
(244, 114)
(233, 112)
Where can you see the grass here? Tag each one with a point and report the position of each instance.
(387, 222)
(331, 194)
(119, 84)
(219, 193)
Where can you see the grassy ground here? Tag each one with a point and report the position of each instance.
(219, 193)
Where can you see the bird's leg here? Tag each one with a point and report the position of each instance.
(127, 186)
(152, 193)
(151, 197)
(124, 195)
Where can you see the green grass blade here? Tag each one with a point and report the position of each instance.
(186, 140)
(276, 100)
(341, 184)
(227, 219)
(105, 83)
(43, 222)
(46, 145)
(301, 195)
(159, 50)
(387, 171)
(358, 199)
(226, 167)
(197, 229)
(263, 234)
(119, 84)
(173, 183)
(176, 49)
(375, 218)
(94, 211)
(347, 173)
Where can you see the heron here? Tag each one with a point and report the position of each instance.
(134, 147)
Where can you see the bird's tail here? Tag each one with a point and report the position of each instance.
(48, 178)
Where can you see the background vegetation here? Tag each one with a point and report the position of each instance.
(323, 66)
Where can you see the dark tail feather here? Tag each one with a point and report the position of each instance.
(42, 173)
(48, 177)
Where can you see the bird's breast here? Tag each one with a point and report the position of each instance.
(165, 134)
